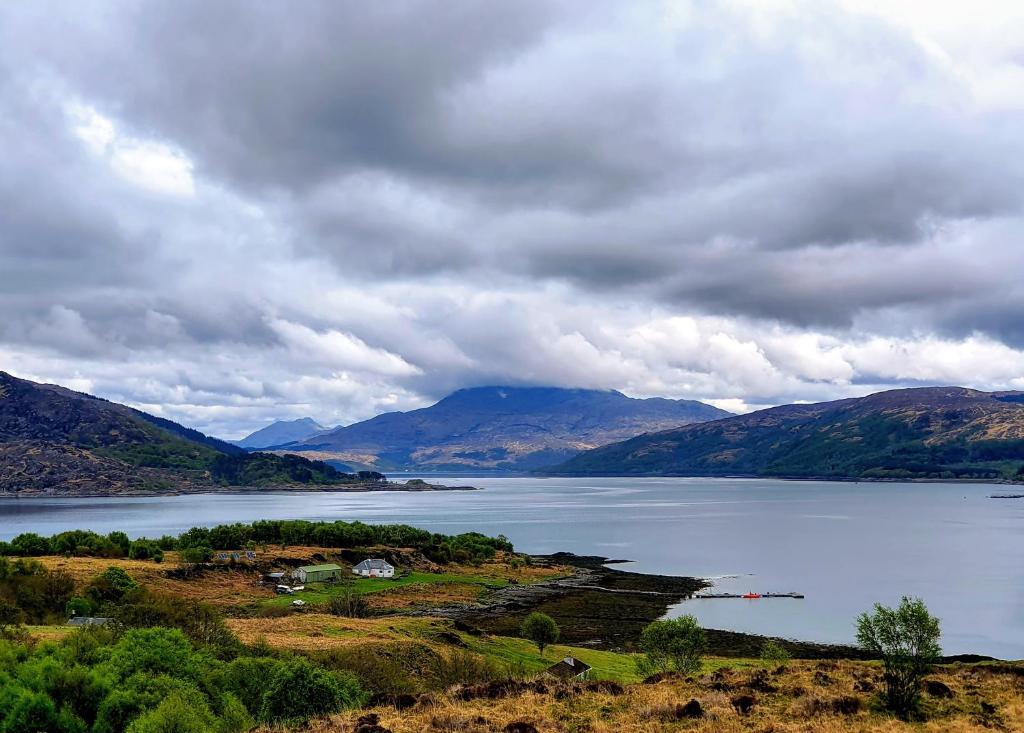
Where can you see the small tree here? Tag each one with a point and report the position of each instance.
(348, 602)
(541, 629)
(676, 644)
(907, 639)
(774, 654)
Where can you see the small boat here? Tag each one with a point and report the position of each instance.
(749, 594)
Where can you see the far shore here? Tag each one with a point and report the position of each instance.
(389, 486)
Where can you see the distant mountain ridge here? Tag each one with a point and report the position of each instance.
(281, 432)
(930, 432)
(500, 428)
(57, 441)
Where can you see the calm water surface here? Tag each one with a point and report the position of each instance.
(844, 545)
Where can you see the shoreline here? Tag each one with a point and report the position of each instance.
(214, 490)
(606, 608)
(754, 477)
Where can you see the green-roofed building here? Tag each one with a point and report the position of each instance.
(318, 573)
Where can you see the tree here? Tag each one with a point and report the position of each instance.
(348, 602)
(907, 639)
(675, 644)
(110, 586)
(541, 629)
(774, 654)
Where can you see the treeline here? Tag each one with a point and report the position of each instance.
(199, 543)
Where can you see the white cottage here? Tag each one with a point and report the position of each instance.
(374, 568)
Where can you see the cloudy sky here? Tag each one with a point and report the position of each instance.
(231, 212)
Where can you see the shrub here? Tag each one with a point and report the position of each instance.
(197, 554)
(907, 639)
(541, 629)
(675, 644)
(111, 586)
(298, 691)
(180, 712)
(774, 654)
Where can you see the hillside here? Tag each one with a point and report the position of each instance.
(56, 441)
(933, 432)
(281, 432)
(503, 428)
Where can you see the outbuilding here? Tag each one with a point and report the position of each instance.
(88, 621)
(374, 568)
(570, 668)
(318, 573)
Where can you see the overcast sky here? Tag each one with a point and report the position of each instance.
(231, 212)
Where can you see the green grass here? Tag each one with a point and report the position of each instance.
(321, 593)
(520, 654)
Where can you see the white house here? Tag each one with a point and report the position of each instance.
(374, 568)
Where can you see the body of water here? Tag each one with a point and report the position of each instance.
(844, 545)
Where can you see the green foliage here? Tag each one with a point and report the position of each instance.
(110, 586)
(675, 644)
(466, 547)
(200, 622)
(907, 639)
(143, 549)
(196, 555)
(184, 711)
(774, 654)
(541, 629)
(298, 691)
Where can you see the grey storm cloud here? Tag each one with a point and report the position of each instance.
(268, 207)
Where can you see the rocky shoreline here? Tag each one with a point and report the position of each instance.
(606, 608)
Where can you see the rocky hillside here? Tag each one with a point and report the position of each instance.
(56, 441)
(503, 428)
(934, 432)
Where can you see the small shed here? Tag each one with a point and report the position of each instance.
(88, 621)
(570, 668)
(318, 573)
(374, 568)
(273, 578)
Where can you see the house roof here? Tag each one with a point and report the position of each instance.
(315, 568)
(569, 667)
(88, 621)
(374, 564)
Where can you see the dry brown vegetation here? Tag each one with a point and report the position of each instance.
(824, 697)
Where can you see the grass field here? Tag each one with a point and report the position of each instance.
(321, 593)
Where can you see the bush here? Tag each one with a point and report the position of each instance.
(111, 586)
(541, 629)
(145, 550)
(774, 654)
(298, 691)
(675, 644)
(907, 639)
(198, 554)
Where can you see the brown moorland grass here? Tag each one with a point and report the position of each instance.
(318, 631)
(831, 697)
(220, 587)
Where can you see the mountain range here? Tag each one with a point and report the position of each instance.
(280, 433)
(932, 432)
(57, 441)
(499, 428)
